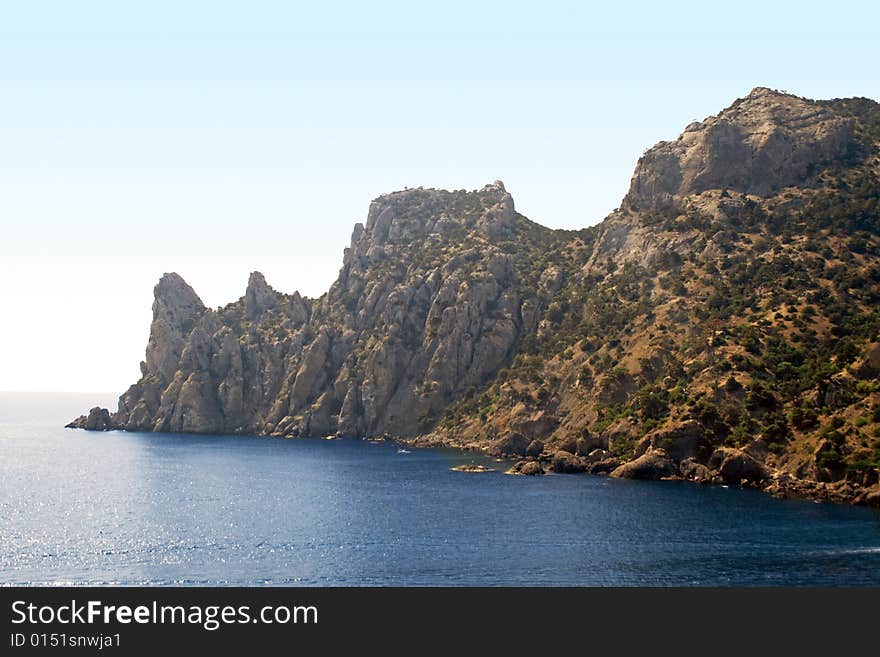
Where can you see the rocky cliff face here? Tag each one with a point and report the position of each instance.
(428, 304)
(720, 326)
(759, 145)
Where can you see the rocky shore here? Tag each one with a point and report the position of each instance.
(726, 467)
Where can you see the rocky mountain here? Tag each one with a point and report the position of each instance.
(722, 325)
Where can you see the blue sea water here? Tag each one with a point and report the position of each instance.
(131, 508)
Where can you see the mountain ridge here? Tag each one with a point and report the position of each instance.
(647, 346)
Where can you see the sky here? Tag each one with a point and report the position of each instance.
(218, 138)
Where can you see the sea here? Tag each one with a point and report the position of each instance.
(118, 508)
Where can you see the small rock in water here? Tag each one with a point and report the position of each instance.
(98, 419)
(471, 467)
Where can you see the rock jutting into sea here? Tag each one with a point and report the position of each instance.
(721, 326)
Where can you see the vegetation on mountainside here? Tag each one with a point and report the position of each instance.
(730, 306)
(758, 335)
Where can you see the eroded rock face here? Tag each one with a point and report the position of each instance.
(535, 448)
(695, 471)
(760, 144)
(679, 441)
(259, 297)
(527, 468)
(654, 464)
(567, 463)
(736, 466)
(425, 307)
(511, 444)
(176, 309)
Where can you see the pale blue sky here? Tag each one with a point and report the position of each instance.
(215, 138)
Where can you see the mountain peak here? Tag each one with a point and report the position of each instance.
(174, 295)
(764, 92)
(176, 309)
(761, 143)
(259, 296)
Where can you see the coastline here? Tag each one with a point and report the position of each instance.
(777, 483)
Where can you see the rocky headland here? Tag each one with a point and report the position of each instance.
(721, 326)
